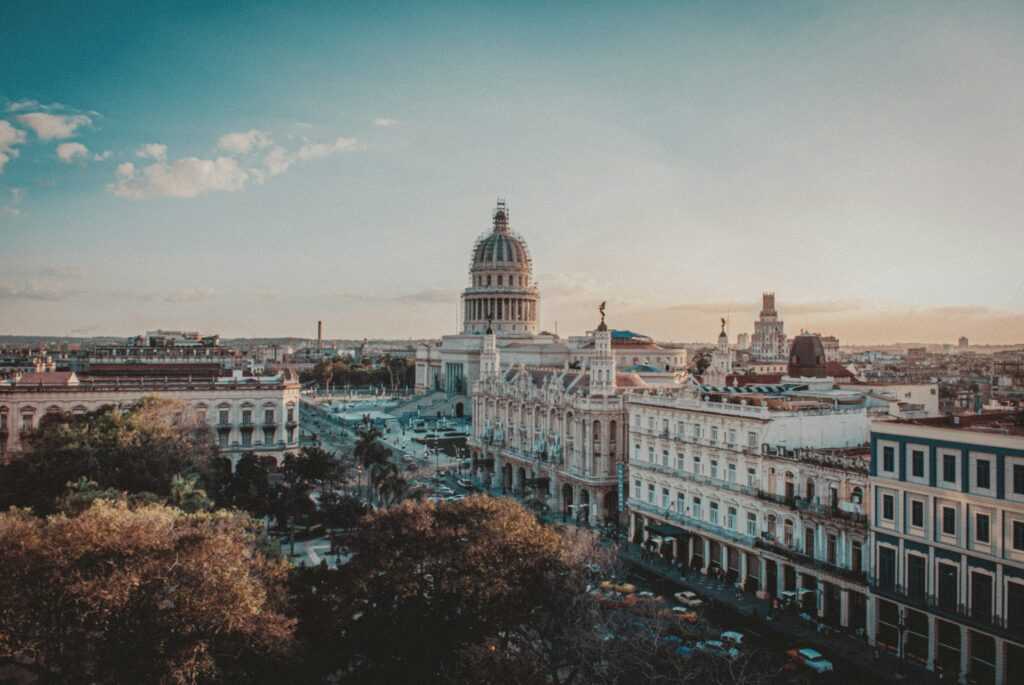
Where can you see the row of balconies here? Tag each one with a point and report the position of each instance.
(950, 609)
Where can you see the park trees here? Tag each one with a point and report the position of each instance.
(140, 450)
(426, 580)
(147, 594)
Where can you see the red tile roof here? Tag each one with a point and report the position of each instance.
(48, 378)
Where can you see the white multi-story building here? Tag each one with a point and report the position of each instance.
(558, 433)
(765, 484)
(948, 528)
(768, 343)
(246, 414)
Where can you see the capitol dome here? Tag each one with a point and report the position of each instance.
(501, 282)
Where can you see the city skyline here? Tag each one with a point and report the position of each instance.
(862, 164)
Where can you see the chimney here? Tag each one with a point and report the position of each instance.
(319, 335)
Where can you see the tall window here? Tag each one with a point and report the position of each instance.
(916, 575)
(246, 417)
(888, 508)
(887, 568)
(714, 468)
(856, 556)
(751, 524)
(650, 493)
(949, 589)
(697, 513)
(1018, 479)
(752, 477)
(1018, 536)
(636, 489)
(223, 417)
(714, 434)
(752, 441)
(731, 519)
(664, 498)
(664, 458)
(696, 464)
(888, 459)
(949, 520)
(714, 513)
(732, 473)
(917, 464)
(949, 468)
(268, 416)
(982, 475)
(917, 514)
(650, 454)
(830, 549)
(981, 528)
(680, 503)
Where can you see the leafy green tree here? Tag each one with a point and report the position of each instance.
(144, 595)
(134, 451)
(187, 495)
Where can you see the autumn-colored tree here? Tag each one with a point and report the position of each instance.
(134, 451)
(144, 595)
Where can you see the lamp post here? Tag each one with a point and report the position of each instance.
(901, 648)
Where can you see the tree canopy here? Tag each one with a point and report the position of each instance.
(150, 594)
(134, 451)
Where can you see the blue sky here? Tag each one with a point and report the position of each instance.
(321, 161)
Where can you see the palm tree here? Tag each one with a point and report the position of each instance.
(187, 495)
(369, 451)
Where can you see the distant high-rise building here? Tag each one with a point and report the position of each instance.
(963, 342)
(742, 341)
(769, 343)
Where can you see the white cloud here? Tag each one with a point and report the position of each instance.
(22, 105)
(279, 159)
(67, 152)
(384, 121)
(193, 295)
(182, 178)
(157, 151)
(41, 290)
(50, 126)
(9, 137)
(244, 142)
(100, 156)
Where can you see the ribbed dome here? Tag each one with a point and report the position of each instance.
(807, 357)
(500, 249)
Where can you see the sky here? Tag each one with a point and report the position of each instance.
(251, 168)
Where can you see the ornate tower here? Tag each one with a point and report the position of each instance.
(602, 365)
(501, 283)
(490, 360)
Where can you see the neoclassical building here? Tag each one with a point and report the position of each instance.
(245, 413)
(766, 484)
(501, 289)
(556, 433)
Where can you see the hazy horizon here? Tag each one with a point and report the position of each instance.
(250, 169)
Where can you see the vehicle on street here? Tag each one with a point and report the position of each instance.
(464, 483)
(688, 599)
(811, 658)
(719, 649)
(732, 638)
(685, 614)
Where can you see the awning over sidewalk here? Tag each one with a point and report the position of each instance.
(667, 530)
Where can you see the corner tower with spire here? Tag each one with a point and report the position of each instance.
(602, 364)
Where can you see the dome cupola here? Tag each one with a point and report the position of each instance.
(807, 357)
(501, 282)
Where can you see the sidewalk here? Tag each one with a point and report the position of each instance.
(853, 657)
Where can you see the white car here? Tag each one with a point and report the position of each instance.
(688, 599)
(732, 638)
(718, 648)
(813, 659)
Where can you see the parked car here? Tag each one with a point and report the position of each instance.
(732, 638)
(718, 648)
(464, 483)
(811, 658)
(688, 599)
(648, 596)
(685, 614)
